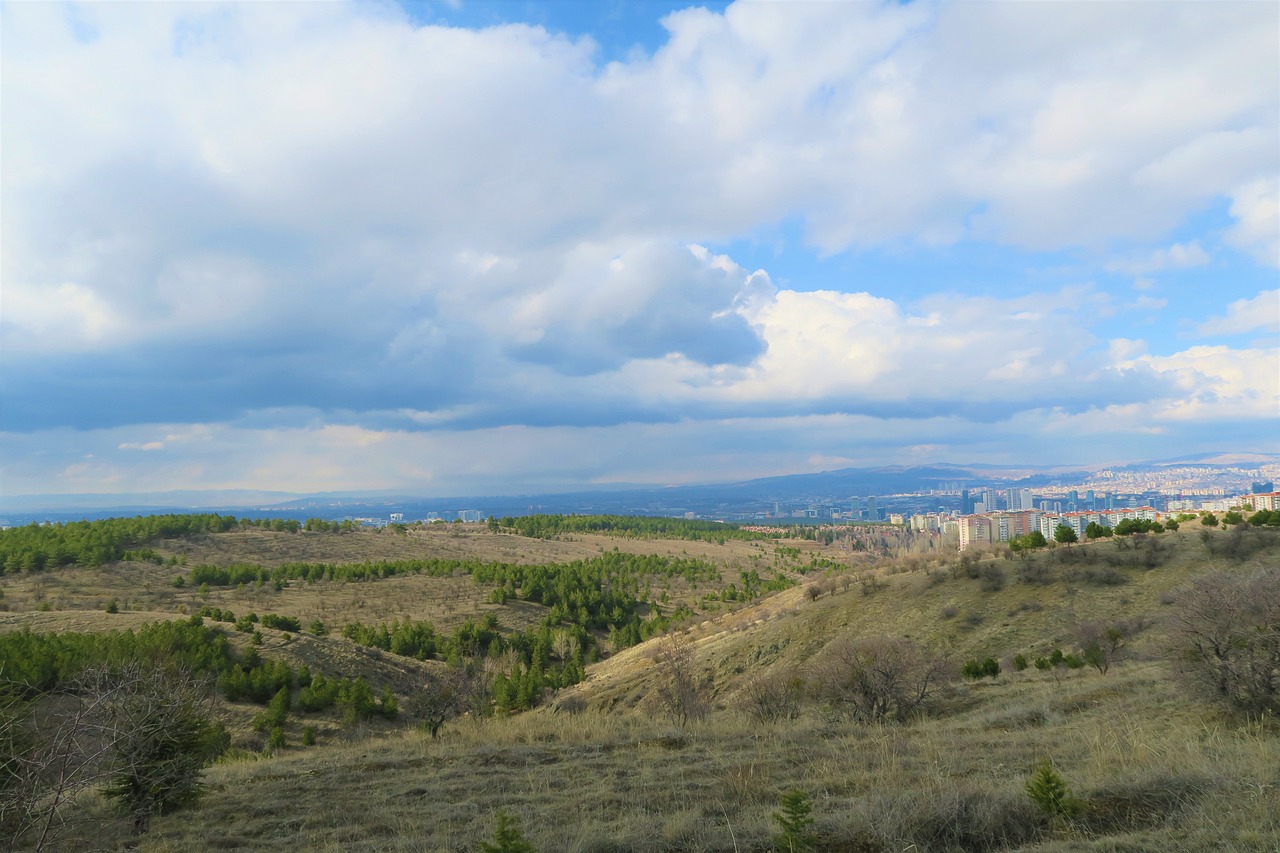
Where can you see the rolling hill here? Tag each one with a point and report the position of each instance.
(603, 765)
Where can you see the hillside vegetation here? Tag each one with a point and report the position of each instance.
(712, 695)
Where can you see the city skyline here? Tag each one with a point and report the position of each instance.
(497, 248)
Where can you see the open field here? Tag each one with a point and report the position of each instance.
(600, 766)
(443, 601)
(1160, 774)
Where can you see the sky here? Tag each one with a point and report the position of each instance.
(478, 248)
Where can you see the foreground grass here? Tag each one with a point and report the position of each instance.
(1156, 772)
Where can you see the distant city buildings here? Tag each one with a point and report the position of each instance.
(1266, 500)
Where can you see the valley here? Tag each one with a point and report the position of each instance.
(560, 710)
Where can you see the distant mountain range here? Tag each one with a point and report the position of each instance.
(737, 497)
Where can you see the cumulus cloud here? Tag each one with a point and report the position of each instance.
(1217, 383)
(328, 221)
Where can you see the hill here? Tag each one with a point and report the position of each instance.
(601, 765)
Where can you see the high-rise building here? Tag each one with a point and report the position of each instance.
(873, 512)
(966, 503)
(1019, 499)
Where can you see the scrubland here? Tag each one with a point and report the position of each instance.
(602, 765)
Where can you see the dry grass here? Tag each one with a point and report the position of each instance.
(1158, 771)
(445, 602)
(1158, 774)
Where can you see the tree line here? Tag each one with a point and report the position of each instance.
(38, 547)
(638, 526)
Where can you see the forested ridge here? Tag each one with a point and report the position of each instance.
(640, 526)
(37, 547)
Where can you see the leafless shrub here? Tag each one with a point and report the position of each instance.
(1103, 643)
(48, 756)
(1035, 572)
(773, 697)
(955, 819)
(680, 692)
(880, 678)
(1225, 640)
(1242, 542)
(993, 577)
(451, 694)
(142, 735)
(1096, 575)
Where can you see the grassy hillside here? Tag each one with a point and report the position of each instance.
(600, 766)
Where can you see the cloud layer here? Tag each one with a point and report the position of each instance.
(294, 229)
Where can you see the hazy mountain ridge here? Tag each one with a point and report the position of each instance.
(633, 499)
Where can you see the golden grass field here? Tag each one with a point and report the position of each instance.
(1158, 769)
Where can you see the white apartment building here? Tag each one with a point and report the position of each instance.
(1266, 500)
(1080, 521)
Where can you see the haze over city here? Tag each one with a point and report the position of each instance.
(499, 248)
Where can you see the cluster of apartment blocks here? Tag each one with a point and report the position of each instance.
(1003, 525)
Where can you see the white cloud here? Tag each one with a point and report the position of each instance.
(1177, 256)
(1256, 208)
(58, 317)
(1261, 313)
(224, 212)
(1217, 383)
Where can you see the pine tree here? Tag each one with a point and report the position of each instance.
(507, 837)
(794, 821)
(1048, 790)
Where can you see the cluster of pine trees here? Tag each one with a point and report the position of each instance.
(549, 526)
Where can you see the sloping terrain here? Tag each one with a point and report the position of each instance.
(602, 766)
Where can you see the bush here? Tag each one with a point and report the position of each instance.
(880, 678)
(162, 739)
(281, 623)
(1029, 542)
(948, 818)
(1102, 644)
(680, 692)
(773, 697)
(1225, 644)
(993, 577)
(975, 669)
(390, 707)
